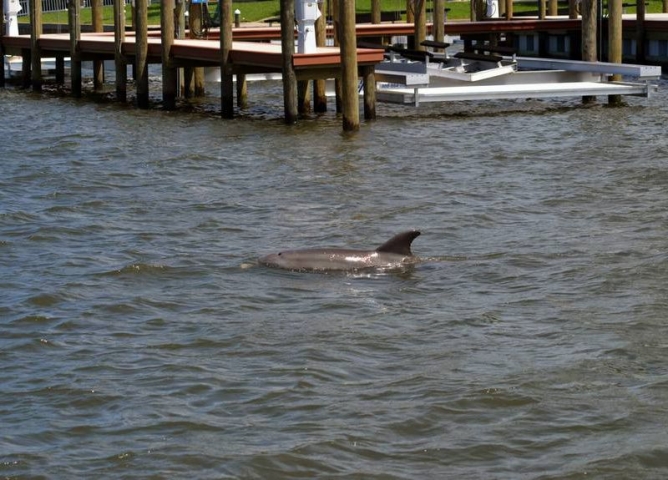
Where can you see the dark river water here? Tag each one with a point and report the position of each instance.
(140, 339)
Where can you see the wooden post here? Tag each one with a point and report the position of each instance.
(640, 31)
(319, 94)
(439, 20)
(573, 9)
(338, 88)
(574, 35)
(553, 8)
(169, 74)
(410, 11)
(141, 53)
(195, 20)
(509, 9)
(541, 9)
(369, 76)
(119, 59)
(375, 11)
(288, 49)
(350, 96)
(589, 32)
(98, 65)
(35, 51)
(60, 69)
(2, 45)
(74, 20)
(242, 91)
(615, 42)
(665, 6)
(473, 12)
(303, 97)
(26, 62)
(420, 24)
(180, 21)
(226, 75)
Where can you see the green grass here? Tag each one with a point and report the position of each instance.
(259, 10)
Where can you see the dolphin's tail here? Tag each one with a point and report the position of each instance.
(400, 243)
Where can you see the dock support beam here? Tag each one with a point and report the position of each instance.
(98, 65)
(439, 20)
(640, 32)
(420, 23)
(35, 51)
(509, 9)
(169, 74)
(141, 55)
(337, 43)
(119, 58)
(615, 42)
(196, 23)
(369, 76)
(375, 11)
(74, 20)
(226, 78)
(319, 93)
(242, 91)
(553, 8)
(350, 96)
(588, 9)
(2, 45)
(303, 97)
(288, 48)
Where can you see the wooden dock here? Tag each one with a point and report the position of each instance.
(246, 56)
(244, 51)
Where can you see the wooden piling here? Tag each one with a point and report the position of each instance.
(196, 20)
(35, 51)
(553, 8)
(420, 23)
(2, 45)
(288, 51)
(98, 65)
(439, 20)
(74, 21)
(509, 9)
(242, 91)
(169, 73)
(26, 62)
(640, 31)
(337, 43)
(119, 59)
(350, 96)
(141, 53)
(615, 42)
(319, 94)
(60, 69)
(226, 74)
(303, 97)
(180, 26)
(572, 9)
(375, 11)
(588, 10)
(369, 78)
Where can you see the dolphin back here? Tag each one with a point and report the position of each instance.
(400, 244)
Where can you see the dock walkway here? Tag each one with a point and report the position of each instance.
(246, 56)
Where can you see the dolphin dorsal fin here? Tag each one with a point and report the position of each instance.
(400, 243)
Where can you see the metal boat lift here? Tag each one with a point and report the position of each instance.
(490, 77)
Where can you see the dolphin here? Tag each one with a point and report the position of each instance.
(394, 253)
